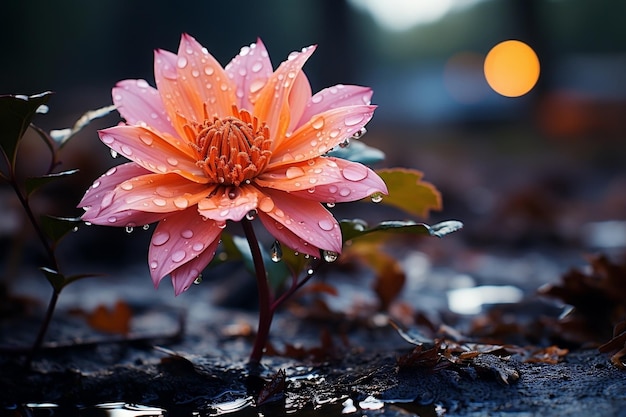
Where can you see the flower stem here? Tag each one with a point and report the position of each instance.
(266, 312)
(44, 327)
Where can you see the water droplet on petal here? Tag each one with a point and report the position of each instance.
(359, 134)
(160, 238)
(266, 204)
(354, 172)
(187, 233)
(353, 119)
(146, 139)
(182, 62)
(181, 202)
(330, 205)
(257, 66)
(145, 227)
(318, 123)
(159, 202)
(178, 256)
(154, 265)
(126, 186)
(329, 255)
(294, 172)
(172, 161)
(376, 197)
(129, 229)
(198, 246)
(326, 224)
(198, 279)
(345, 143)
(113, 153)
(276, 252)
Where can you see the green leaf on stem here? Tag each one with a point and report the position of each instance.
(56, 279)
(57, 227)
(408, 192)
(351, 229)
(33, 183)
(16, 112)
(61, 136)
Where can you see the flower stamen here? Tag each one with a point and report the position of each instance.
(231, 150)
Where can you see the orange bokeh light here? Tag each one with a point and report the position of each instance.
(511, 68)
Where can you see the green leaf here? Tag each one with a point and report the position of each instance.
(16, 112)
(351, 229)
(358, 151)
(33, 183)
(61, 136)
(55, 278)
(408, 192)
(57, 227)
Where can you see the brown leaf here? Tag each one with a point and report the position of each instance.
(273, 390)
(116, 320)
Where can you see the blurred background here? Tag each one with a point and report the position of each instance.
(544, 168)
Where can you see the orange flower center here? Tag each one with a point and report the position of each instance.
(231, 150)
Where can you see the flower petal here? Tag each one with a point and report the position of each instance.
(138, 103)
(189, 81)
(107, 182)
(299, 98)
(180, 239)
(287, 237)
(152, 151)
(272, 105)
(249, 71)
(158, 193)
(320, 134)
(229, 203)
(324, 179)
(334, 97)
(307, 219)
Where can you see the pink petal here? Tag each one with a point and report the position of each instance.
(334, 97)
(287, 237)
(138, 102)
(121, 218)
(153, 152)
(229, 203)
(306, 219)
(249, 71)
(157, 193)
(299, 97)
(324, 179)
(320, 134)
(272, 103)
(107, 182)
(180, 239)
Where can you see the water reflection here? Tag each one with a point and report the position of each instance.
(120, 409)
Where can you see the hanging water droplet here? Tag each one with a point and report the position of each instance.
(329, 255)
(376, 197)
(276, 251)
(345, 143)
(113, 153)
(310, 271)
(75, 229)
(359, 134)
(330, 205)
(198, 279)
(251, 215)
(145, 227)
(129, 229)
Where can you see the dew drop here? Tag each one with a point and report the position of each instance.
(330, 205)
(129, 229)
(187, 234)
(126, 186)
(329, 255)
(208, 70)
(195, 73)
(294, 172)
(354, 172)
(86, 224)
(198, 246)
(353, 119)
(310, 271)
(178, 256)
(159, 239)
(359, 134)
(75, 229)
(326, 224)
(113, 153)
(145, 227)
(182, 62)
(198, 279)
(159, 202)
(318, 123)
(345, 143)
(266, 204)
(172, 161)
(181, 202)
(142, 84)
(257, 66)
(276, 251)
(154, 265)
(251, 215)
(112, 219)
(376, 197)
(147, 139)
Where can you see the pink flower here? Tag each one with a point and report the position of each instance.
(211, 144)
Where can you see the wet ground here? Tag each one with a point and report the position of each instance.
(477, 338)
